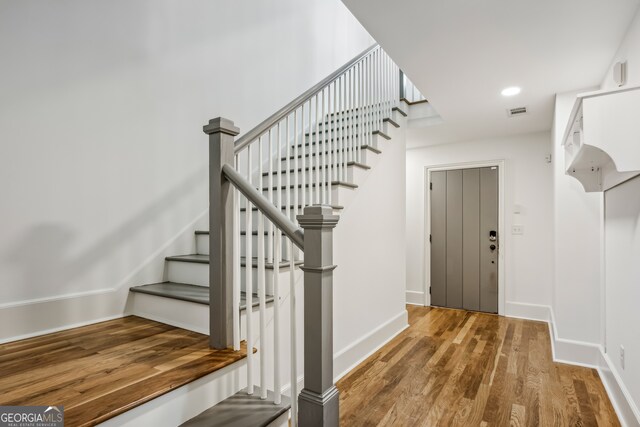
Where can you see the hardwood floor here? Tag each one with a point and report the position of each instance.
(458, 368)
(105, 369)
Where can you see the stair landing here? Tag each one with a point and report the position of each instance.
(102, 370)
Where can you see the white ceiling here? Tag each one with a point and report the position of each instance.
(462, 53)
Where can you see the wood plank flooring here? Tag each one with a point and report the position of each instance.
(458, 368)
(102, 370)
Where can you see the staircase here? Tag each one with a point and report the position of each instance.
(299, 168)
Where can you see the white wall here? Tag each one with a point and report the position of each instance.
(102, 157)
(369, 242)
(577, 272)
(621, 255)
(628, 51)
(622, 243)
(528, 183)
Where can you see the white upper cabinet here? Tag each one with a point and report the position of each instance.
(602, 138)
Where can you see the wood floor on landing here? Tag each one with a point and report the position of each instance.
(459, 368)
(102, 370)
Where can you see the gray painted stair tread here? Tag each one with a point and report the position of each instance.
(399, 110)
(362, 147)
(284, 208)
(342, 183)
(204, 259)
(241, 410)
(186, 292)
(382, 134)
(355, 164)
(348, 125)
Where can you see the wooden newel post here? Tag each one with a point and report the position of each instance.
(221, 151)
(318, 403)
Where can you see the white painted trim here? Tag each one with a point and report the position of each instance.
(55, 298)
(415, 297)
(61, 328)
(573, 352)
(183, 403)
(527, 311)
(354, 354)
(500, 164)
(178, 313)
(627, 411)
(563, 350)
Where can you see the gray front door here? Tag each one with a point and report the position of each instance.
(464, 239)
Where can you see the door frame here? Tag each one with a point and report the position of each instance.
(501, 232)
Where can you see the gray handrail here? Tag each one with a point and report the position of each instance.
(280, 220)
(257, 131)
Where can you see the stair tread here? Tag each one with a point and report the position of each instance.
(284, 187)
(283, 208)
(204, 259)
(242, 410)
(325, 152)
(293, 170)
(346, 126)
(399, 110)
(187, 292)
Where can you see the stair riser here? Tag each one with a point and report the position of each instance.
(198, 274)
(298, 177)
(353, 173)
(190, 315)
(366, 157)
(202, 245)
(370, 115)
(346, 133)
(340, 195)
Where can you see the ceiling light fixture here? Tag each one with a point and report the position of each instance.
(511, 91)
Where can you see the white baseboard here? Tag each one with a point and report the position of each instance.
(29, 319)
(578, 353)
(573, 352)
(527, 311)
(351, 356)
(415, 297)
(584, 354)
(628, 412)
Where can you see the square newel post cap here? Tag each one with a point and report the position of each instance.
(318, 216)
(221, 125)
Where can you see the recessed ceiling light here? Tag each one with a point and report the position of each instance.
(511, 91)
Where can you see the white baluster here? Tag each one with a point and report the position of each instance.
(316, 182)
(270, 255)
(261, 290)
(236, 266)
(249, 280)
(307, 149)
(277, 387)
(294, 343)
(323, 172)
(330, 136)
